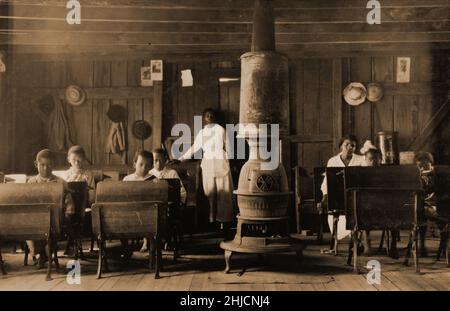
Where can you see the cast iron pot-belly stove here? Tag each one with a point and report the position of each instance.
(263, 195)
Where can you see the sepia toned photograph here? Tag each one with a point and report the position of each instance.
(224, 152)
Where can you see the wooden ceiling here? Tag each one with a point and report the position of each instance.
(214, 28)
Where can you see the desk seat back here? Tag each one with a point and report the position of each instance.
(380, 198)
(189, 172)
(130, 209)
(319, 175)
(132, 191)
(26, 207)
(335, 189)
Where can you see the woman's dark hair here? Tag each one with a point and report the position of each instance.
(212, 112)
(349, 137)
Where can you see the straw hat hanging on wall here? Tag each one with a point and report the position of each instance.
(374, 92)
(355, 94)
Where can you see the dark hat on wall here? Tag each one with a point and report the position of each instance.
(117, 113)
(142, 129)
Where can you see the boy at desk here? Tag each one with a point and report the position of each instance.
(44, 164)
(76, 156)
(160, 171)
(143, 162)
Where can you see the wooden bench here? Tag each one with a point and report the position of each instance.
(130, 210)
(32, 212)
(80, 196)
(307, 213)
(196, 205)
(335, 201)
(383, 198)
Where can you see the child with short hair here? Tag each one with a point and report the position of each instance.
(424, 162)
(44, 164)
(76, 156)
(160, 171)
(142, 163)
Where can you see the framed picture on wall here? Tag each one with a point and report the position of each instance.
(157, 70)
(146, 76)
(403, 69)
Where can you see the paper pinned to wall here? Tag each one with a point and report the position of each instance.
(186, 78)
(157, 70)
(146, 76)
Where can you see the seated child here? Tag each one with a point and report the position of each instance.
(142, 163)
(76, 156)
(372, 158)
(160, 171)
(44, 164)
(424, 161)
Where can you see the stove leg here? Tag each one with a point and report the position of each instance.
(228, 255)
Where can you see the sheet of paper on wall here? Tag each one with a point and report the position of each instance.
(146, 76)
(403, 69)
(157, 70)
(186, 78)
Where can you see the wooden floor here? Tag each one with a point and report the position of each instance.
(201, 268)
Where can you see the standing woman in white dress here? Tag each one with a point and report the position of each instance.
(216, 174)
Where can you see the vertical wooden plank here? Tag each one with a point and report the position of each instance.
(347, 111)
(325, 96)
(311, 94)
(298, 114)
(157, 113)
(118, 78)
(361, 71)
(337, 103)
(326, 108)
(311, 111)
(405, 116)
(149, 117)
(186, 98)
(384, 109)
(135, 109)
(101, 123)
(81, 73)
(234, 93)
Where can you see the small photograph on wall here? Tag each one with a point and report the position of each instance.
(403, 69)
(146, 76)
(157, 70)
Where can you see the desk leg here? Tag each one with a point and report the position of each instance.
(416, 251)
(335, 230)
(355, 252)
(49, 253)
(100, 257)
(158, 256)
(2, 264)
(350, 245)
(447, 250)
(380, 247)
(227, 256)
(151, 251)
(55, 254)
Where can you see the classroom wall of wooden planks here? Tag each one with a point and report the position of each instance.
(319, 116)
